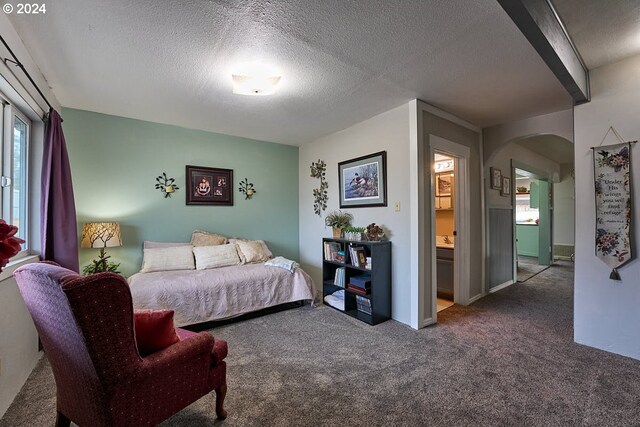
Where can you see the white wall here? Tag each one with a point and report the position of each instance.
(607, 313)
(564, 208)
(388, 132)
(18, 343)
(536, 163)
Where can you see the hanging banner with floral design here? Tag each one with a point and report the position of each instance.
(613, 205)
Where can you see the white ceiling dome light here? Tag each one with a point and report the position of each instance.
(255, 84)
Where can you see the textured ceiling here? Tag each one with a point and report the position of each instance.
(341, 61)
(550, 146)
(604, 31)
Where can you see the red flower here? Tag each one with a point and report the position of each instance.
(9, 245)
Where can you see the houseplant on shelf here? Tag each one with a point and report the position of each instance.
(353, 233)
(374, 232)
(338, 220)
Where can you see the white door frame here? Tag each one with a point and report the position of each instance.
(462, 220)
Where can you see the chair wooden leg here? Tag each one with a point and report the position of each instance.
(221, 392)
(62, 421)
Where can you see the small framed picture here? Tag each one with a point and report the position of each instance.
(209, 186)
(506, 186)
(444, 184)
(496, 178)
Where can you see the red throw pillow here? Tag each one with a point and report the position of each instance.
(154, 330)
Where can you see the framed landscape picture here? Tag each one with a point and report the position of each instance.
(363, 181)
(444, 184)
(209, 186)
(496, 178)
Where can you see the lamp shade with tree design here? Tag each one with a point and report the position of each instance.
(101, 235)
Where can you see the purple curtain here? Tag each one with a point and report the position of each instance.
(58, 209)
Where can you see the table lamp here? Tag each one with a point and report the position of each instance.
(101, 235)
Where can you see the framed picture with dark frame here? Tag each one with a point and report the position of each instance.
(363, 181)
(506, 186)
(496, 178)
(209, 186)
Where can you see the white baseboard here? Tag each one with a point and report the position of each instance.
(475, 298)
(501, 286)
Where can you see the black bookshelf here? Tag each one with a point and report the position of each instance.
(380, 272)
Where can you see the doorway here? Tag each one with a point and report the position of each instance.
(444, 202)
(450, 223)
(533, 223)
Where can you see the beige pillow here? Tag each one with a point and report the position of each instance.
(216, 256)
(165, 259)
(204, 238)
(252, 251)
(155, 245)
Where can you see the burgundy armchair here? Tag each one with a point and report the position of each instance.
(86, 328)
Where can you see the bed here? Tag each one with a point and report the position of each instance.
(198, 296)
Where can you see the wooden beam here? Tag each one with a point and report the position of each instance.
(542, 26)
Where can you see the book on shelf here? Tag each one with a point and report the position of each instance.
(363, 300)
(358, 256)
(333, 252)
(339, 277)
(357, 290)
(362, 281)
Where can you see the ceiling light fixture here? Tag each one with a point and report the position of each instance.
(255, 85)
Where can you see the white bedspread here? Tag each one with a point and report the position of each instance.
(199, 296)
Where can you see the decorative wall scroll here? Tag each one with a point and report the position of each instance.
(320, 197)
(612, 173)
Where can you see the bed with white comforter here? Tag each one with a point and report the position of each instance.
(198, 296)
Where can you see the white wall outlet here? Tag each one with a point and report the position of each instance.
(397, 207)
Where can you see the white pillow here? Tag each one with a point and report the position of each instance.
(216, 256)
(252, 251)
(155, 245)
(164, 259)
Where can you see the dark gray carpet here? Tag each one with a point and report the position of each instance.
(507, 360)
(528, 267)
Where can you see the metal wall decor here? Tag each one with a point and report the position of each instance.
(320, 197)
(166, 185)
(247, 189)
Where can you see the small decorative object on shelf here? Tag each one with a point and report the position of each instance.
(166, 185)
(353, 233)
(320, 197)
(9, 244)
(374, 232)
(522, 190)
(338, 220)
(246, 187)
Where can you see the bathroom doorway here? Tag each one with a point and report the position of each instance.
(444, 202)
(450, 223)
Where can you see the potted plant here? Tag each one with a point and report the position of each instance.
(353, 233)
(338, 220)
(374, 232)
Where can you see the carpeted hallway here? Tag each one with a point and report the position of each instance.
(507, 360)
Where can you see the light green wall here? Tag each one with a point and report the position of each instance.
(115, 161)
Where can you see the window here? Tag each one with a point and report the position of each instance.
(14, 182)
